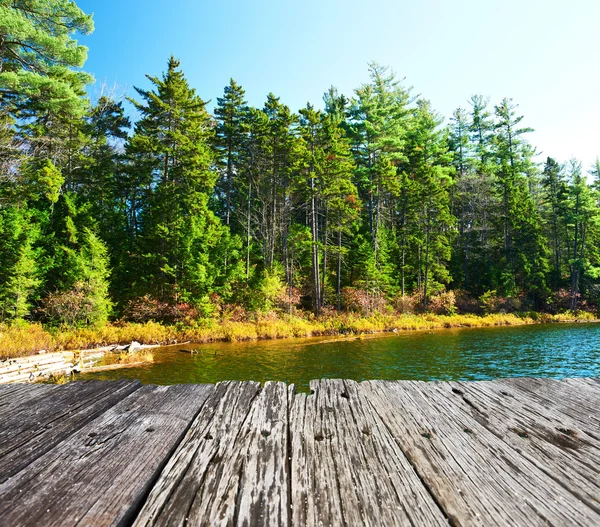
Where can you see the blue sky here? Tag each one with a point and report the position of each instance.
(542, 53)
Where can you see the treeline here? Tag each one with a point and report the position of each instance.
(369, 203)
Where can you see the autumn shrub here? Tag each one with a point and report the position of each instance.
(235, 313)
(238, 331)
(361, 301)
(146, 308)
(77, 307)
(406, 304)
(443, 303)
(466, 302)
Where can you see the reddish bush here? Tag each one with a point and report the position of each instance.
(288, 299)
(442, 304)
(147, 308)
(407, 304)
(364, 302)
(70, 308)
(466, 303)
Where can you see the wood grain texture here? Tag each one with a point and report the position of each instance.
(14, 395)
(508, 452)
(477, 478)
(575, 399)
(101, 474)
(346, 466)
(35, 427)
(550, 440)
(201, 483)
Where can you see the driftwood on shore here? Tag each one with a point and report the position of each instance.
(44, 366)
(37, 367)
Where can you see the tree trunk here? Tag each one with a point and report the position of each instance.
(315, 249)
(339, 272)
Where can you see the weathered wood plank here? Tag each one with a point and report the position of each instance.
(101, 474)
(550, 440)
(346, 466)
(14, 395)
(264, 485)
(315, 492)
(575, 400)
(477, 478)
(200, 484)
(32, 429)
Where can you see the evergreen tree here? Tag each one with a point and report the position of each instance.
(379, 116)
(554, 183)
(182, 243)
(524, 254)
(582, 220)
(229, 141)
(19, 273)
(328, 194)
(429, 163)
(38, 55)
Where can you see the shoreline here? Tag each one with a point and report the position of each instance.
(28, 339)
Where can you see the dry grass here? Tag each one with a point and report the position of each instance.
(26, 339)
(136, 357)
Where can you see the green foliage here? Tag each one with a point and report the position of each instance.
(48, 181)
(182, 244)
(19, 273)
(193, 215)
(37, 54)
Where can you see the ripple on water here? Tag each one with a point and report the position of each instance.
(556, 350)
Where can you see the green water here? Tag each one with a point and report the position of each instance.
(558, 350)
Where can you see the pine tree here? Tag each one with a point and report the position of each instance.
(554, 183)
(19, 273)
(328, 194)
(339, 195)
(429, 163)
(229, 141)
(582, 220)
(181, 242)
(481, 195)
(377, 129)
(519, 217)
(95, 278)
(38, 55)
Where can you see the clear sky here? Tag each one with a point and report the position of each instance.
(542, 53)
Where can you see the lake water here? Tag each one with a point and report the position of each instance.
(556, 350)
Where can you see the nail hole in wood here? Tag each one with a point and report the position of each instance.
(345, 395)
(265, 433)
(426, 435)
(567, 432)
(457, 391)
(468, 431)
(319, 436)
(521, 433)
(92, 434)
(149, 429)
(208, 437)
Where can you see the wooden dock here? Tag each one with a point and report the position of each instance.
(509, 452)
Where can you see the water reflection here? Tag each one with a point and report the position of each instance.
(566, 350)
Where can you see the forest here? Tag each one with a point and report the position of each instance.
(371, 204)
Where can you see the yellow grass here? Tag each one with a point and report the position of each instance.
(25, 339)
